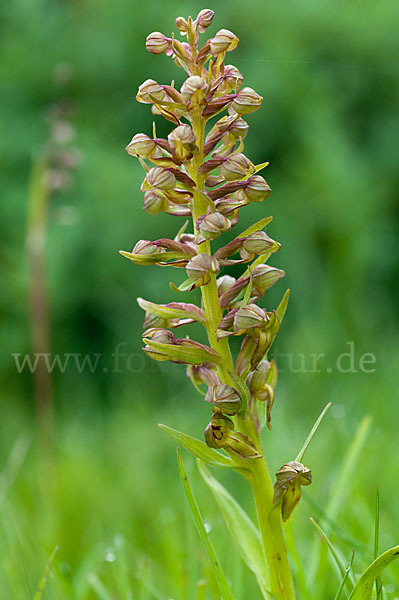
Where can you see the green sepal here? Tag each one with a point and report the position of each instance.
(242, 529)
(191, 355)
(199, 449)
(256, 227)
(156, 258)
(363, 589)
(282, 307)
(185, 286)
(165, 312)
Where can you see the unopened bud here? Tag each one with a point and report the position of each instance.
(259, 243)
(161, 336)
(212, 225)
(204, 19)
(150, 91)
(289, 480)
(181, 24)
(154, 203)
(217, 432)
(157, 43)
(233, 77)
(248, 317)
(193, 85)
(264, 276)
(224, 41)
(256, 189)
(145, 247)
(257, 379)
(247, 101)
(237, 166)
(151, 321)
(225, 398)
(161, 178)
(182, 142)
(224, 283)
(141, 145)
(239, 129)
(200, 267)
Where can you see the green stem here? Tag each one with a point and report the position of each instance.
(281, 581)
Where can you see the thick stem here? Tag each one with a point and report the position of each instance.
(281, 582)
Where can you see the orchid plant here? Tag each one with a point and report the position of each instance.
(200, 172)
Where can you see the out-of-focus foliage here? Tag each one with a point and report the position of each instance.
(328, 126)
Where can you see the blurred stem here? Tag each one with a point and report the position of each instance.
(281, 581)
(39, 314)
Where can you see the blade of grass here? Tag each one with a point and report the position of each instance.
(334, 554)
(43, 580)
(221, 579)
(378, 583)
(363, 589)
(345, 577)
(338, 497)
(13, 465)
(98, 587)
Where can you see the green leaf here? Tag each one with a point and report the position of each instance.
(199, 449)
(312, 433)
(165, 312)
(242, 529)
(221, 579)
(256, 227)
(335, 555)
(192, 355)
(282, 307)
(364, 587)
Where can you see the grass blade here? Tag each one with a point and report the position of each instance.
(334, 554)
(42, 583)
(345, 577)
(223, 585)
(241, 528)
(98, 587)
(378, 583)
(363, 589)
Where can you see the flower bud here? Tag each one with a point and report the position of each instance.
(259, 243)
(151, 321)
(161, 178)
(257, 189)
(204, 19)
(233, 77)
(194, 85)
(224, 41)
(247, 101)
(239, 129)
(237, 166)
(212, 225)
(149, 92)
(145, 247)
(257, 379)
(224, 283)
(289, 480)
(141, 145)
(182, 142)
(154, 203)
(161, 336)
(225, 398)
(200, 267)
(217, 432)
(181, 24)
(264, 276)
(248, 317)
(157, 43)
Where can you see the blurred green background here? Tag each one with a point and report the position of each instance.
(109, 495)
